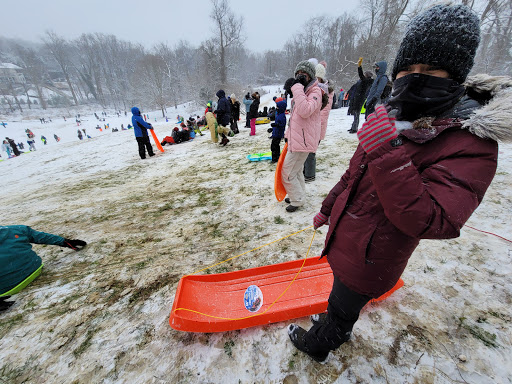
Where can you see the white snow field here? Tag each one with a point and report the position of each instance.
(101, 314)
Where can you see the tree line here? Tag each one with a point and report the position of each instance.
(106, 70)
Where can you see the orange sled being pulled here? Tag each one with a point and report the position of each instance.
(215, 303)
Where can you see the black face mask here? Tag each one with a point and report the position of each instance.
(418, 95)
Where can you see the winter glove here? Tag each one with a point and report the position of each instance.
(301, 78)
(319, 220)
(273, 125)
(75, 245)
(4, 305)
(378, 129)
(288, 86)
(269, 130)
(360, 62)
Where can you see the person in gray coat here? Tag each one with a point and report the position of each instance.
(377, 87)
(247, 101)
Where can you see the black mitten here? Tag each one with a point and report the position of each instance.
(75, 245)
(288, 85)
(269, 130)
(4, 305)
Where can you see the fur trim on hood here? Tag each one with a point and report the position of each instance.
(494, 119)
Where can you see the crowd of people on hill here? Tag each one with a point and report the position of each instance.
(427, 154)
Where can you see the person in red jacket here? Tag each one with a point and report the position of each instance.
(423, 165)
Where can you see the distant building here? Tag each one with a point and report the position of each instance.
(11, 73)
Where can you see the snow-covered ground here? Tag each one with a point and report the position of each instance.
(101, 314)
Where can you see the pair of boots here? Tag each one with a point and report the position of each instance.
(224, 141)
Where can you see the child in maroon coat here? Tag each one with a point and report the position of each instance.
(423, 165)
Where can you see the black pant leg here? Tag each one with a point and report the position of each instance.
(342, 313)
(275, 147)
(140, 143)
(148, 145)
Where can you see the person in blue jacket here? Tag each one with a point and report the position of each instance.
(18, 262)
(278, 127)
(377, 87)
(140, 128)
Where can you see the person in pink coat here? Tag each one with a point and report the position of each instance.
(303, 132)
(327, 96)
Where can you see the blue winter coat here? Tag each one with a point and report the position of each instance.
(378, 85)
(17, 259)
(140, 127)
(223, 111)
(280, 124)
(247, 103)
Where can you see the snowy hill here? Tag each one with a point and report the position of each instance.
(101, 314)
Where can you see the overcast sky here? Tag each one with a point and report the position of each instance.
(268, 23)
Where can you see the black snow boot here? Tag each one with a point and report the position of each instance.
(296, 335)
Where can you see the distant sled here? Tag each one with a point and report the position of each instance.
(260, 156)
(218, 302)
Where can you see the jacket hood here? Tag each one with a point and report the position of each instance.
(135, 111)
(281, 106)
(493, 119)
(220, 94)
(383, 66)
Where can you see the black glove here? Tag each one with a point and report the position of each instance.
(273, 125)
(269, 130)
(288, 85)
(4, 305)
(301, 79)
(75, 245)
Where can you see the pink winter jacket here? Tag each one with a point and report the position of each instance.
(324, 116)
(303, 132)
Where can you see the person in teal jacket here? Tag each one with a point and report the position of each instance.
(17, 259)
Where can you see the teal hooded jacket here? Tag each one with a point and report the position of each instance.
(17, 259)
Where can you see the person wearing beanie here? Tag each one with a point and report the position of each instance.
(223, 113)
(423, 165)
(358, 93)
(377, 88)
(327, 100)
(235, 113)
(303, 132)
(253, 112)
(247, 102)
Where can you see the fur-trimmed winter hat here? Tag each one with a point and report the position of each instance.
(320, 71)
(306, 66)
(445, 36)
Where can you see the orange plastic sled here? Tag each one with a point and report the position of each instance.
(279, 189)
(157, 142)
(215, 303)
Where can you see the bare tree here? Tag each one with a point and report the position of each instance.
(34, 70)
(228, 32)
(59, 49)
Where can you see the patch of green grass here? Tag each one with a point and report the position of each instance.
(278, 220)
(85, 344)
(228, 347)
(428, 269)
(489, 339)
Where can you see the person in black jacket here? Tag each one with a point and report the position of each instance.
(253, 112)
(235, 113)
(360, 95)
(223, 113)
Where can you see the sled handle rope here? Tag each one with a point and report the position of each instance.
(275, 301)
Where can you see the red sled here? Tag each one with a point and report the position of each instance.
(217, 302)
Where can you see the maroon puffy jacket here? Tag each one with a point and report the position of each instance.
(389, 199)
